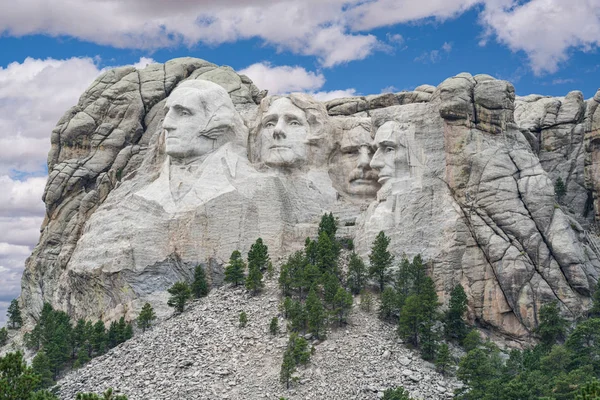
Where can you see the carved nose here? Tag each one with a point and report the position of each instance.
(168, 124)
(364, 159)
(278, 133)
(376, 162)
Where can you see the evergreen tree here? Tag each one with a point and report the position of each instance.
(254, 282)
(112, 336)
(200, 286)
(315, 314)
(78, 338)
(234, 272)
(274, 326)
(380, 260)
(559, 189)
(82, 359)
(327, 254)
(180, 293)
(443, 359)
(99, 339)
(357, 274)
(472, 340)
(310, 249)
(387, 305)
(298, 316)
(128, 331)
(590, 391)
(41, 366)
(270, 270)
(258, 256)
(3, 336)
(552, 326)
(455, 327)
(312, 277)
(403, 280)
(342, 304)
(14, 315)
(146, 317)
(288, 367)
(299, 348)
(366, 300)
(58, 348)
(328, 226)
(107, 395)
(292, 274)
(286, 306)
(331, 284)
(584, 344)
(17, 380)
(409, 322)
(243, 319)
(396, 394)
(42, 395)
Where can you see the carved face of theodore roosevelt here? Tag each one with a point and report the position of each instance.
(200, 118)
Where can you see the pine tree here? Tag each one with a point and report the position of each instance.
(366, 300)
(471, 341)
(380, 260)
(41, 366)
(107, 395)
(396, 394)
(552, 326)
(128, 331)
(327, 254)
(298, 316)
(82, 359)
(312, 277)
(14, 314)
(443, 359)
(270, 270)
(78, 338)
(199, 286)
(121, 330)
(292, 274)
(559, 189)
(408, 324)
(595, 310)
(310, 249)
(3, 336)
(328, 226)
(288, 367)
(331, 284)
(403, 281)
(99, 339)
(455, 327)
(234, 272)
(315, 313)
(180, 293)
(342, 304)
(387, 305)
(146, 317)
(17, 380)
(258, 256)
(254, 282)
(243, 319)
(274, 326)
(357, 274)
(42, 395)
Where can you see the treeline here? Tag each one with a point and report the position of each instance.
(564, 365)
(60, 344)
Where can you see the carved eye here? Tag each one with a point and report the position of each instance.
(295, 123)
(389, 149)
(269, 124)
(184, 112)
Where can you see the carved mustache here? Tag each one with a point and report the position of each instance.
(361, 174)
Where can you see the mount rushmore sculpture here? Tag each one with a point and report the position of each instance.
(158, 170)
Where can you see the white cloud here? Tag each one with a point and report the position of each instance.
(447, 47)
(396, 38)
(283, 79)
(544, 29)
(143, 63)
(334, 94)
(21, 198)
(389, 89)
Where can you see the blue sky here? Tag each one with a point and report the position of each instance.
(51, 51)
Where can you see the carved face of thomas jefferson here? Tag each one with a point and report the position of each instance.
(200, 118)
(284, 134)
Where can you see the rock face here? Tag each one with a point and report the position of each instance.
(150, 177)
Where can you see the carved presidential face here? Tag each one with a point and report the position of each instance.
(390, 158)
(355, 173)
(283, 135)
(197, 118)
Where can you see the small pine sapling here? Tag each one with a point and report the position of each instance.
(274, 326)
(243, 319)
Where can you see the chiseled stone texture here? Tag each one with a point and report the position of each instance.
(476, 195)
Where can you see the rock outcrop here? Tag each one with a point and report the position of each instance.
(463, 173)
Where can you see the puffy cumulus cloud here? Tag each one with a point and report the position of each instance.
(33, 96)
(544, 29)
(283, 79)
(12, 261)
(334, 94)
(21, 198)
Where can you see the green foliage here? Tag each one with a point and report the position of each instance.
(396, 394)
(15, 320)
(366, 300)
(243, 319)
(472, 340)
(42, 367)
(274, 326)
(296, 353)
(288, 367)
(357, 274)
(560, 188)
(328, 225)
(552, 326)
(107, 395)
(455, 327)
(590, 391)
(42, 395)
(298, 316)
(180, 293)
(310, 249)
(388, 306)
(254, 280)
(292, 274)
(418, 317)
(234, 272)
(331, 284)
(480, 370)
(270, 270)
(342, 304)
(99, 339)
(327, 253)
(584, 344)
(443, 360)
(3, 336)
(258, 256)
(147, 315)
(17, 380)
(315, 314)
(200, 285)
(380, 260)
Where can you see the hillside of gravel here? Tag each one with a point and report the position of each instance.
(204, 354)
